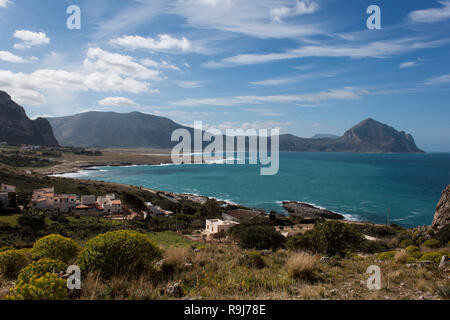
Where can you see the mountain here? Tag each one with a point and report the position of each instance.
(16, 128)
(135, 129)
(367, 136)
(111, 129)
(324, 136)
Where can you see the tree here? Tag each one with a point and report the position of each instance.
(210, 208)
(331, 237)
(260, 237)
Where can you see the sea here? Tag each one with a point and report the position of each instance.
(400, 188)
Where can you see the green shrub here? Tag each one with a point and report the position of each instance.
(412, 249)
(258, 237)
(55, 247)
(410, 260)
(11, 262)
(406, 243)
(47, 287)
(388, 255)
(331, 237)
(444, 234)
(118, 252)
(40, 268)
(6, 248)
(253, 259)
(432, 243)
(432, 256)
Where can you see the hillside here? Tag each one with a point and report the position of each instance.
(16, 128)
(110, 129)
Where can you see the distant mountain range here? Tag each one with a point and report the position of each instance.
(16, 128)
(138, 130)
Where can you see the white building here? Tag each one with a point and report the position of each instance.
(109, 203)
(216, 225)
(4, 200)
(7, 188)
(154, 210)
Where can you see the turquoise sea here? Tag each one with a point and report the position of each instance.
(361, 186)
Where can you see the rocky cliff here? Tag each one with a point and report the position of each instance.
(442, 213)
(16, 128)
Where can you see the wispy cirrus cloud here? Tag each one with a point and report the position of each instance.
(189, 84)
(377, 49)
(444, 79)
(432, 14)
(408, 64)
(30, 39)
(333, 94)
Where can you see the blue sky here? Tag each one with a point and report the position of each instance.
(306, 67)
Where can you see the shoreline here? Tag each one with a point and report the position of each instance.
(197, 197)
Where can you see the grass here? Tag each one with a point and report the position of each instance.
(171, 239)
(10, 219)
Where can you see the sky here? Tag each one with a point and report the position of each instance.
(306, 67)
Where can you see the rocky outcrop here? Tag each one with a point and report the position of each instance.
(16, 128)
(305, 210)
(442, 213)
(367, 136)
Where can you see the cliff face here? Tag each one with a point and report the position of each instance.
(442, 213)
(17, 128)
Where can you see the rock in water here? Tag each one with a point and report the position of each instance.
(442, 213)
(305, 210)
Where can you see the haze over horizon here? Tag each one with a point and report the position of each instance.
(308, 67)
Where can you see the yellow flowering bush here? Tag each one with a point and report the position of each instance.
(55, 247)
(11, 261)
(46, 287)
(118, 252)
(387, 255)
(40, 268)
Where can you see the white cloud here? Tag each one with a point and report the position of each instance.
(274, 82)
(432, 14)
(5, 3)
(189, 84)
(117, 102)
(302, 8)
(118, 64)
(408, 64)
(335, 94)
(257, 125)
(30, 39)
(102, 72)
(159, 65)
(163, 42)
(9, 57)
(378, 49)
(438, 80)
(248, 17)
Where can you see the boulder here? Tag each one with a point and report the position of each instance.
(442, 213)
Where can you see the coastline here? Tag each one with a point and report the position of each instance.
(197, 197)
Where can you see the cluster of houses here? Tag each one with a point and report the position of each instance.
(4, 195)
(46, 200)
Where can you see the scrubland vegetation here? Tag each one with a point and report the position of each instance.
(128, 264)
